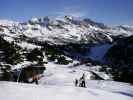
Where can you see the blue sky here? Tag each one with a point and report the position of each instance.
(111, 12)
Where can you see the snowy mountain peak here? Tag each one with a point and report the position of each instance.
(41, 20)
(68, 17)
(62, 31)
(4, 22)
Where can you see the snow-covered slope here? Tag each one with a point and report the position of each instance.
(58, 84)
(66, 74)
(15, 91)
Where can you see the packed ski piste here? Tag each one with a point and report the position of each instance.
(66, 82)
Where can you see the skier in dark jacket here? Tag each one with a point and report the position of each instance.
(76, 82)
(82, 81)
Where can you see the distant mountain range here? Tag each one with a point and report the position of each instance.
(64, 30)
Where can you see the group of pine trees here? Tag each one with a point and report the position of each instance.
(11, 52)
(11, 55)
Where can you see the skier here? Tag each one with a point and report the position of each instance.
(82, 81)
(35, 79)
(76, 82)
